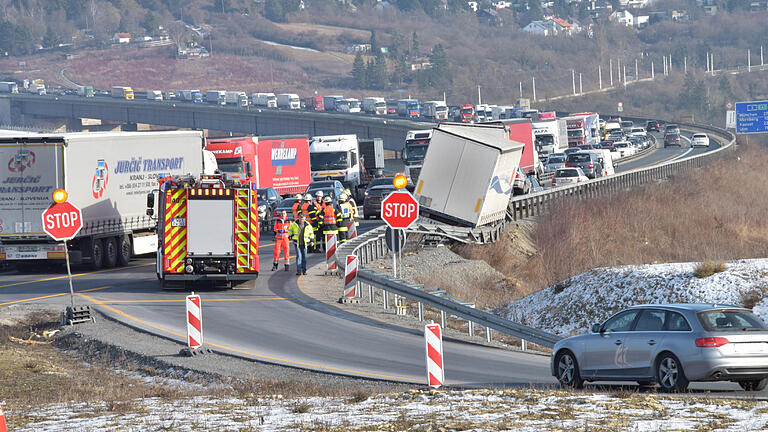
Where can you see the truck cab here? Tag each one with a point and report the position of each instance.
(467, 113)
(408, 108)
(416, 144)
(335, 158)
(348, 105)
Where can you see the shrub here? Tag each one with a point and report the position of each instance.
(708, 268)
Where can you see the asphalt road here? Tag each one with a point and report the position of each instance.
(278, 323)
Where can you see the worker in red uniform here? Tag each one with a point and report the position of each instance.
(317, 224)
(331, 217)
(281, 240)
(296, 208)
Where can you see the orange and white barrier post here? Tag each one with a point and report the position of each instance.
(330, 252)
(194, 322)
(350, 277)
(3, 427)
(433, 338)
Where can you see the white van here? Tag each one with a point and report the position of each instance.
(606, 160)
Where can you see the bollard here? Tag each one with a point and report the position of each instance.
(488, 334)
(421, 312)
(442, 318)
(523, 344)
(433, 339)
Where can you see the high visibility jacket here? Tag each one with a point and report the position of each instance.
(309, 233)
(354, 207)
(318, 210)
(347, 213)
(330, 215)
(281, 229)
(305, 208)
(296, 208)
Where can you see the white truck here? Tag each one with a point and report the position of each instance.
(550, 137)
(483, 160)
(434, 110)
(416, 143)
(154, 95)
(194, 96)
(268, 100)
(336, 157)
(351, 105)
(107, 175)
(288, 101)
(237, 98)
(375, 105)
(218, 97)
(9, 87)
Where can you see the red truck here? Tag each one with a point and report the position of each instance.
(521, 130)
(467, 113)
(314, 103)
(281, 163)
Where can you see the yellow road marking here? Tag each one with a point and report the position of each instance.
(75, 275)
(203, 300)
(51, 296)
(239, 351)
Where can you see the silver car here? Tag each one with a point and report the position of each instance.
(554, 162)
(668, 345)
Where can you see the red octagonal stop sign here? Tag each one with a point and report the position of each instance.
(62, 221)
(399, 209)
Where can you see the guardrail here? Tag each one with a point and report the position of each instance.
(371, 246)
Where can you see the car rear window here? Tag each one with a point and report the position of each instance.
(699, 136)
(567, 173)
(556, 159)
(578, 157)
(730, 320)
(670, 136)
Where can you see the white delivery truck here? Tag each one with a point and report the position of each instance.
(416, 143)
(435, 110)
(218, 97)
(550, 137)
(154, 95)
(351, 105)
(467, 175)
(288, 101)
(237, 98)
(375, 105)
(9, 87)
(107, 175)
(268, 100)
(335, 157)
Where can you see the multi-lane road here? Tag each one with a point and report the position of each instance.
(277, 322)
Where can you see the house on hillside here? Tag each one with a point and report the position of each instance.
(562, 26)
(121, 38)
(539, 28)
(490, 17)
(623, 17)
(641, 21)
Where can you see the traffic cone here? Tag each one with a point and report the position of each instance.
(3, 428)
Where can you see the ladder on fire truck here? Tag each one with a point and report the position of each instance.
(242, 220)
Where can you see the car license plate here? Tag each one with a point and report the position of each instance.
(751, 348)
(179, 222)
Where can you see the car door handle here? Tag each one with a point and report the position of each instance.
(618, 342)
(651, 342)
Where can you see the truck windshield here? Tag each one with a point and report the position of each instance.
(545, 140)
(381, 104)
(578, 133)
(354, 104)
(415, 151)
(413, 105)
(230, 165)
(329, 161)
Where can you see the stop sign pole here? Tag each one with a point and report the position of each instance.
(62, 221)
(399, 210)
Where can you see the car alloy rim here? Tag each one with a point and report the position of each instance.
(668, 372)
(565, 368)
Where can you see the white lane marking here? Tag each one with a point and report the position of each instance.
(681, 156)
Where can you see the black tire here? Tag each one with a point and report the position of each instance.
(754, 385)
(97, 254)
(567, 369)
(670, 374)
(124, 251)
(110, 252)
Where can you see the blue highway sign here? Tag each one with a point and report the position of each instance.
(752, 117)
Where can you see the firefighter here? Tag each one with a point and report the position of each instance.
(353, 203)
(281, 240)
(305, 206)
(318, 221)
(347, 216)
(296, 208)
(331, 217)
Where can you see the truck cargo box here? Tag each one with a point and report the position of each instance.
(468, 173)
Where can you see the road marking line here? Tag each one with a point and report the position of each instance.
(75, 275)
(239, 351)
(51, 296)
(203, 300)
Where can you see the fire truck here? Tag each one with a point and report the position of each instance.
(208, 231)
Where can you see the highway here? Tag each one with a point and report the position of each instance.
(277, 322)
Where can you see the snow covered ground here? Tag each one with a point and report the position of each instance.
(477, 410)
(571, 307)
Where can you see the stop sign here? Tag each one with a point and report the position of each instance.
(399, 209)
(62, 221)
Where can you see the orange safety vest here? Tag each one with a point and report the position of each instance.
(281, 225)
(329, 215)
(318, 208)
(295, 209)
(305, 208)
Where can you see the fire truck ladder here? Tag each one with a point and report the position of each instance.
(242, 220)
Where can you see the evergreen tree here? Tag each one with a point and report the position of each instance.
(374, 43)
(415, 45)
(273, 10)
(409, 5)
(370, 73)
(359, 71)
(150, 23)
(51, 39)
(441, 67)
(379, 79)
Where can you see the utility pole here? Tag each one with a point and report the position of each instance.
(581, 89)
(670, 63)
(761, 55)
(479, 99)
(533, 78)
(707, 62)
(637, 71)
(521, 89)
(618, 69)
(610, 66)
(685, 65)
(573, 79)
(749, 61)
(625, 76)
(653, 75)
(600, 76)
(712, 63)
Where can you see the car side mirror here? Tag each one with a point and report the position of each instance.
(596, 328)
(248, 171)
(150, 200)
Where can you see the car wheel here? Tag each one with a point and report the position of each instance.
(110, 252)
(754, 385)
(568, 370)
(669, 374)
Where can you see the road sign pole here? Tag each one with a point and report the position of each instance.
(394, 255)
(69, 276)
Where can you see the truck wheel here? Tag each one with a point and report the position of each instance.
(110, 252)
(124, 251)
(97, 254)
